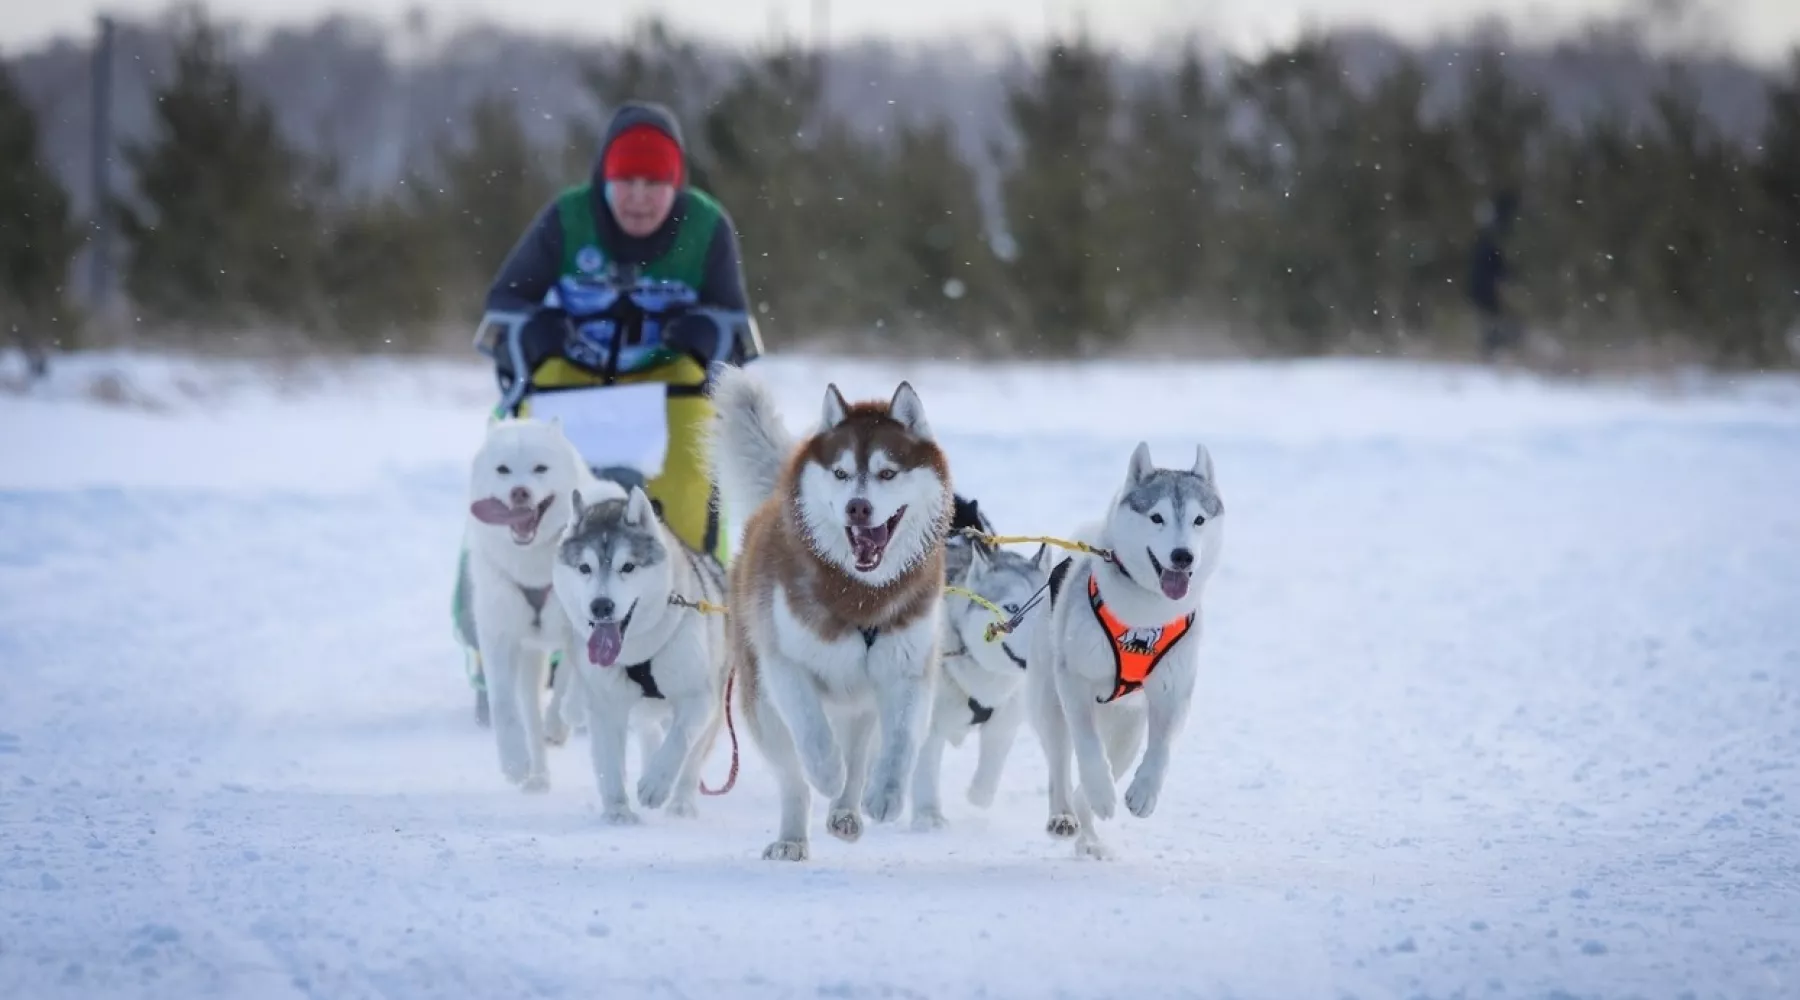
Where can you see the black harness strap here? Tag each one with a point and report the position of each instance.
(869, 635)
(980, 712)
(537, 597)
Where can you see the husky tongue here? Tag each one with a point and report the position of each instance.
(604, 643)
(1175, 584)
(869, 543)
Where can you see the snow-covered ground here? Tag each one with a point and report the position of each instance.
(1501, 698)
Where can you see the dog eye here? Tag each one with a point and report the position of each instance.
(541, 469)
(840, 473)
(585, 569)
(504, 471)
(1011, 609)
(886, 474)
(628, 567)
(1156, 519)
(1198, 521)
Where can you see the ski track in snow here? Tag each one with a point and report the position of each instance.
(1500, 698)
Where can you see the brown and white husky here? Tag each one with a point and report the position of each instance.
(835, 595)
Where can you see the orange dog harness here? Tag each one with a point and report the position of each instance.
(1136, 651)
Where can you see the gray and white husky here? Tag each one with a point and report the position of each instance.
(1117, 654)
(622, 577)
(981, 683)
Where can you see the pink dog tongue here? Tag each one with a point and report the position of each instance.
(492, 511)
(1175, 584)
(869, 542)
(604, 644)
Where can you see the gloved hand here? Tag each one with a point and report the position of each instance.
(710, 335)
(541, 338)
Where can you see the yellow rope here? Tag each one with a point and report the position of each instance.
(1061, 543)
(998, 611)
(704, 607)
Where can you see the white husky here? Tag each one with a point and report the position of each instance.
(623, 576)
(1118, 652)
(520, 485)
(835, 595)
(981, 681)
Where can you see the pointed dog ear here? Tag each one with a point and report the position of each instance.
(907, 408)
(638, 511)
(1040, 558)
(1141, 465)
(1203, 463)
(576, 507)
(836, 409)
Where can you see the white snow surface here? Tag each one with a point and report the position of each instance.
(1500, 698)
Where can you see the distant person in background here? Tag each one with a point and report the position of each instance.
(1488, 272)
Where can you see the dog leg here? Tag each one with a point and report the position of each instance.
(1087, 837)
(777, 745)
(499, 661)
(1082, 714)
(556, 724)
(1053, 734)
(791, 691)
(607, 724)
(997, 737)
(859, 739)
(1166, 707)
(528, 690)
(687, 783)
(902, 691)
(927, 807)
(687, 714)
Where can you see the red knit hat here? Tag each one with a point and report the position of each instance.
(642, 152)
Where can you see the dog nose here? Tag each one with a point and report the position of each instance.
(1181, 558)
(602, 607)
(859, 511)
(520, 496)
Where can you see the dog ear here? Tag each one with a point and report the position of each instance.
(1203, 464)
(907, 408)
(1141, 465)
(576, 507)
(638, 511)
(1041, 557)
(979, 557)
(836, 409)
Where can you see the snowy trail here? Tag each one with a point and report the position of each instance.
(1501, 697)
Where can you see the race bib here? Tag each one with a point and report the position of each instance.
(612, 425)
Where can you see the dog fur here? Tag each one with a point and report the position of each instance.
(978, 679)
(520, 484)
(1166, 528)
(835, 594)
(618, 565)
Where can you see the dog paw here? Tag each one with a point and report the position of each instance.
(682, 809)
(926, 820)
(620, 816)
(536, 782)
(1088, 847)
(1062, 826)
(556, 731)
(1140, 798)
(845, 825)
(884, 800)
(785, 850)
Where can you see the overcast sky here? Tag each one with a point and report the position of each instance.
(1764, 29)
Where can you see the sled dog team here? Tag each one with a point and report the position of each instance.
(851, 663)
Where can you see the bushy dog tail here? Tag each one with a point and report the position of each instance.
(747, 445)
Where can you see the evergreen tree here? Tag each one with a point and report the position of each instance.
(1062, 196)
(38, 240)
(224, 231)
(488, 190)
(944, 275)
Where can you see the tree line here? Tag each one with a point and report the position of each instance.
(1269, 202)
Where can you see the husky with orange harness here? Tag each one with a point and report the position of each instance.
(835, 593)
(1115, 658)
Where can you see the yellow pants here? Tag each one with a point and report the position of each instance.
(683, 490)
